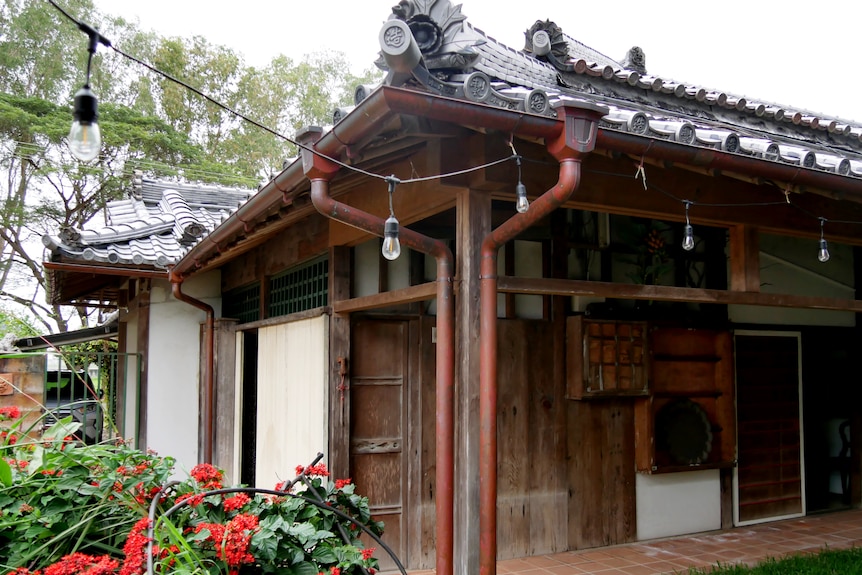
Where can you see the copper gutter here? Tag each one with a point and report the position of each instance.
(320, 171)
(577, 139)
(104, 270)
(209, 351)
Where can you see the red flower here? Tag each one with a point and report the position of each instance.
(236, 502)
(207, 476)
(10, 412)
(231, 541)
(340, 483)
(136, 549)
(319, 470)
(80, 563)
(334, 571)
(367, 553)
(194, 499)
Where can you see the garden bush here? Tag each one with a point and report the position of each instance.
(67, 508)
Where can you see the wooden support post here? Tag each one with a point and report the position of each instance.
(744, 259)
(224, 408)
(340, 263)
(473, 223)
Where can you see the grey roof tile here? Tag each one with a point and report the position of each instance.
(736, 124)
(152, 226)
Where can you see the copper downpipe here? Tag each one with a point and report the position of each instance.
(209, 351)
(576, 140)
(320, 170)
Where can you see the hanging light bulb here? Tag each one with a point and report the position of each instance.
(823, 254)
(85, 138)
(687, 231)
(688, 238)
(522, 204)
(391, 246)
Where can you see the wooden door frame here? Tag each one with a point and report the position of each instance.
(771, 333)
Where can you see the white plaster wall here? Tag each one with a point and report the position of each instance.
(528, 263)
(292, 403)
(677, 503)
(173, 381)
(366, 268)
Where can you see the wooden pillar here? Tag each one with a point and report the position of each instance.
(224, 402)
(744, 259)
(473, 223)
(143, 337)
(340, 264)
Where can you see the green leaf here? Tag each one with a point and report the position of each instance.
(324, 554)
(5, 472)
(305, 568)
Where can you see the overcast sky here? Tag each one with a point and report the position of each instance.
(801, 55)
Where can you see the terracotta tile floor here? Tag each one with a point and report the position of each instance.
(675, 555)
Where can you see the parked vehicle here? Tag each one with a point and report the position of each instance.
(69, 392)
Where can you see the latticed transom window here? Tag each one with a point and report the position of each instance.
(242, 303)
(298, 289)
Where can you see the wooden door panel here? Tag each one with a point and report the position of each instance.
(378, 464)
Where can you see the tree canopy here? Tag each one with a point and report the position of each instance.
(149, 123)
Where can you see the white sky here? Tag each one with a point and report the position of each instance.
(801, 54)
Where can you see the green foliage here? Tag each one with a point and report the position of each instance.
(148, 123)
(16, 323)
(60, 497)
(64, 503)
(826, 562)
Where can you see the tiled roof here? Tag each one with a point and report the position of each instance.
(464, 62)
(153, 226)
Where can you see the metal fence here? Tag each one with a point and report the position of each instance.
(100, 390)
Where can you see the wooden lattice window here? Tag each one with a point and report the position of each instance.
(299, 289)
(242, 303)
(606, 358)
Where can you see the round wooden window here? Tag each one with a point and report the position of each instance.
(683, 432)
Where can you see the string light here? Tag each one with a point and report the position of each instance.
(391, 245)
(688, 233)
(823, 253)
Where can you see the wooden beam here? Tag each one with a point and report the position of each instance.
(744, 259)
(546, 286)
(411, 294)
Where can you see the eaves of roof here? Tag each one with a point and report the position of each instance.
(386, 102)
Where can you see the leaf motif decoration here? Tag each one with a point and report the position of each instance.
(450, 22)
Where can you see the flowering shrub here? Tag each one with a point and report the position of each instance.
(68, 508)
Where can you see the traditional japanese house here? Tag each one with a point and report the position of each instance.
(613, 307)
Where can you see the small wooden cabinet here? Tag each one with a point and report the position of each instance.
(606, 358)
(687, 422)
(679, 379)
